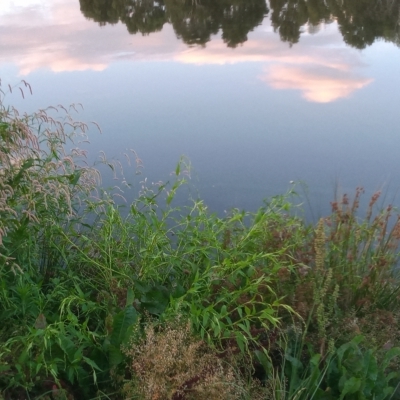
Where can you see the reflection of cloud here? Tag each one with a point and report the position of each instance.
(56, 36)
(322, 86)
(323, 73)
(267, 48)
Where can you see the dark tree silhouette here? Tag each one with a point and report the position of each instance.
(194, 21)
(239, 17)
(361, 22)
(144, 16)
(101, 11)
(288, 17)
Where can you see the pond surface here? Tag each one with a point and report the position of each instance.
(255, 94)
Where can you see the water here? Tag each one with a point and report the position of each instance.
(256, 95)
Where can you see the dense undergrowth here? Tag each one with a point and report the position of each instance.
(165, 303)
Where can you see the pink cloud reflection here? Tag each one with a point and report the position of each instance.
(318, 85)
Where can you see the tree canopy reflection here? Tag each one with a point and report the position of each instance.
(194, 21)
(361, 22)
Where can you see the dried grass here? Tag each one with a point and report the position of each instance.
(172, 364)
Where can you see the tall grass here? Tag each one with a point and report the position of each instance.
(165, 302)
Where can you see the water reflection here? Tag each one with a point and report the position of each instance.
(360, 22)
(320, 66)
(322, 73)
(317, 84)
(244, 138)
(193, 21)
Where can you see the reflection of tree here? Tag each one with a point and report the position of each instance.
(101, 11)
(288, 17)
(194, 21)
(144, 16)
(361, 22)
(239, 18)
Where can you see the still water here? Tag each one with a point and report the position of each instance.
(255, 94)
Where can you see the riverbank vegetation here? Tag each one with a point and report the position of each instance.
(156, 302)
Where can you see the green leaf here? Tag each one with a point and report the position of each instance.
(130, 297)
(294, 361)
(74, 178)
(91, 363)
(370, 366)
(38, 367)
(352, 385)
(393, 352)
(178, 292)
(224, 311)
(216, 328)
(115, 355)
(206, 316)
(170, 197)
(27, 164)
(122, 321)
(240, 340)
(315, 359)
(77, 356)
(264, 361)
(155, 300)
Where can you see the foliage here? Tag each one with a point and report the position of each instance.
(348, 372)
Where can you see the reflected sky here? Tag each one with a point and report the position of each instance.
(251, 119)
(54, 35)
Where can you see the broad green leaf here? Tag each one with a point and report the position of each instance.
(351, 386)
(115, 355)
(393, 352)
(121, 323)
(296, 363)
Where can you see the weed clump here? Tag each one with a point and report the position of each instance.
(171, 363)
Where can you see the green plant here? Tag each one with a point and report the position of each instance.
(363, 253)
(356, 373)
(42, 345)
(348, 372)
